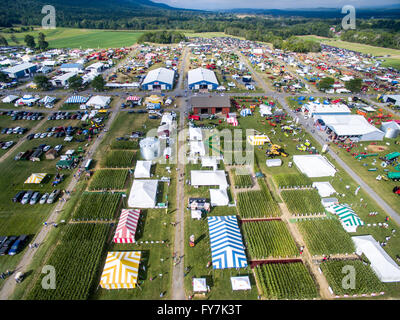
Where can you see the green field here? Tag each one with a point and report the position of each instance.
(81, 38)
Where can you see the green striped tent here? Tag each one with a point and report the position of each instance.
(347, 216)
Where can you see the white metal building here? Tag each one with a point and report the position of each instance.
(202, 78)
(161, 78)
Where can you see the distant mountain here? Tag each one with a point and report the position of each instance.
(28, 12)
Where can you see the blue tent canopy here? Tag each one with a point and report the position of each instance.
(76, 99)
(227, 250)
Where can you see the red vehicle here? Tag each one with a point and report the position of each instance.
(193, 117)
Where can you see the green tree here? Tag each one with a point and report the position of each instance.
(98, 83)
(325, 83)
(3, 41)
(30, 41)
(4, 77)
(14, 39)
(41, 81)
(75, 82)
(354, 85)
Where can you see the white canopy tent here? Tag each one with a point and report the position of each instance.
(10, 98)
(219, 197)
(314, 166)
(195, 134)
(100, 101)
(143, 194)
(325, 189)
(209, 162)
(197, 148)
(199, 285)
(383, 265)
(142, 169)
(240, 283)
(209, 178)
(196, 214)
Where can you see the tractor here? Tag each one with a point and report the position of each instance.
(275, 150)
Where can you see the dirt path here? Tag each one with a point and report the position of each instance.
(306, 256)
(178, 291)
(9, 285)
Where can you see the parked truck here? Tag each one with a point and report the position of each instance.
(395, 176)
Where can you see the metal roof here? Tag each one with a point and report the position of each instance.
(161, 75)
(201, 74)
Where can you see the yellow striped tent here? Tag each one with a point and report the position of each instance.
(36, 178)
(257, 140)
(121, 270)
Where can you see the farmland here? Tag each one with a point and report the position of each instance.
(292, 180)
(269, 239)
(83, 38)
(302, 201)
(366, 281)
(109, 179)
(119, 159)
(241, 180)
(325, 236)
(97, 206)
(76, 277)
(252, 204)
(285, 281)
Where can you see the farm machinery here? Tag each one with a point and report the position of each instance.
(396, 190)
(275, 150)
(365, 155)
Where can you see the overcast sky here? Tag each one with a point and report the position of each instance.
(272, 4)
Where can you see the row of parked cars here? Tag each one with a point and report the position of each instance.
(60, 115)
(23, 115)
(6, 145)
(12, 245)
(32, 197)
(16, 130)
(56, 132)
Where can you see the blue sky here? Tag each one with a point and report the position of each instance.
(272, 4)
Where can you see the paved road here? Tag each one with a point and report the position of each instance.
(9, 285)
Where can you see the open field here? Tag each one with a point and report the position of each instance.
(81, 38)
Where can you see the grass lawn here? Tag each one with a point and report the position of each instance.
(82, 38)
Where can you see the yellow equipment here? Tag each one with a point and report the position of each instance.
(276, 150)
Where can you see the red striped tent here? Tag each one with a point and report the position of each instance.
(133, 98)
(126, 228)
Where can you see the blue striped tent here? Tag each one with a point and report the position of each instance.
(76, 99)
(227, 250)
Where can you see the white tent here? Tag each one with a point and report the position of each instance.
(327, 202)
(196, 214)
(265, 110)
(10, 98)
(143, 194)
(352, 125)
(383, 265)
(199, 285)
(314, 166)
(219, 197)
(142, 169)
(208, 178)
(209, 162)
(197, 148)
(195, 134)
(240, 283)
(100, 101)
(325, 189)
(274, 162)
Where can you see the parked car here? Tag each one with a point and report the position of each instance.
(17, 246)
(7, 245)
(27, 196)
(43, 135)
(2, 240)
(58, 147)
(7, 145)
(18, 197)
(44, 198)
(37, 135)
(35, 198)
(46, 148)
(30, 136)
(53, 196)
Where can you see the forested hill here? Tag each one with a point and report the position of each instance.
(84, 13)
